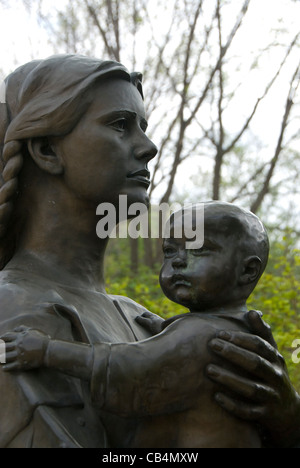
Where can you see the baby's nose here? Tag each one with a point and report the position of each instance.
(180, 261)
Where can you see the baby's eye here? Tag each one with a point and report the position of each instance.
(198, 252)
(169, 252)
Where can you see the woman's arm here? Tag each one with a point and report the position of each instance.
(268, 397)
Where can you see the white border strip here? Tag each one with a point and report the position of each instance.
(3, 93)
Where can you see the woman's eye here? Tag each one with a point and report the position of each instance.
(144, 127)
(119, 125)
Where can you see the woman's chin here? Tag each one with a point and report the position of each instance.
(137, 195)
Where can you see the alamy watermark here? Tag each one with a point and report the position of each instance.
(296, 353)
(187, 221)
(2, 352)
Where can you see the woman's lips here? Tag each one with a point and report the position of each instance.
(142, 176)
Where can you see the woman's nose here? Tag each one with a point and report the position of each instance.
(146, 150)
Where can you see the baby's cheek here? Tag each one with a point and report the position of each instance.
(164, 276)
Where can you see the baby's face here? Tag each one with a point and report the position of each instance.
(200, 279)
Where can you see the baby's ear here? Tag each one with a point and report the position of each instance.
(250, 271)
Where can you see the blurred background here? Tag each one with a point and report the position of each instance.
(222, 89)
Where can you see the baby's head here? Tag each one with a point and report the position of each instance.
(226, 269)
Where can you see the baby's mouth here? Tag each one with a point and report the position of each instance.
(180, 280)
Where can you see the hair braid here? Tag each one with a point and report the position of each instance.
(12, 161)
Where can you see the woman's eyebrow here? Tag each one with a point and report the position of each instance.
(112, 116)
(121, 113)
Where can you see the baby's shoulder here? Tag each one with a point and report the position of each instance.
(209, 325)
(195, 331)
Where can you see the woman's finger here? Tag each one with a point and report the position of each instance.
(247, 360)
(239, 409)
(260, 328)
(252, 343)
(254, 391)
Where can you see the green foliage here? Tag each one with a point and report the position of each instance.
(278, 297)
(277, 294)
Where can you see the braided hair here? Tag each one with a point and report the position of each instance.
(42, 98)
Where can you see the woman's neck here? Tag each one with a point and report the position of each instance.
(45, 268)
(60, 237)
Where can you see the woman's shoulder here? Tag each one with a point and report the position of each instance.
(13, 301)
(129, 305)
(21, 298)
(10, 290)
(130, 310)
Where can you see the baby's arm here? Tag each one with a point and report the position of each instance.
(146, 377)
(28, 349)
(131, 379)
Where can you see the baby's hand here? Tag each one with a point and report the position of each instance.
(25, 349)
(151, 322)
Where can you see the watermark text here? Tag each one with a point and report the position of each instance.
(159, 221)
(2, 352)
(296, 353)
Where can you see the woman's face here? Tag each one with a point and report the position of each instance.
(107, 153)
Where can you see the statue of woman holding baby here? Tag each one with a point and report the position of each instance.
(72, 136)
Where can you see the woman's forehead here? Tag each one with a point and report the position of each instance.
(114, 95)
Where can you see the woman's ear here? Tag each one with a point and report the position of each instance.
(45, 156)
(251, 270)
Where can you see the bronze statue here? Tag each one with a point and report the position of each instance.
(66, 124)
(231, 261)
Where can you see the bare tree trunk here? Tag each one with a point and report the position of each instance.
(148, 253)
(220, 153)
(188, 78)
(113, 48)
(134, 255)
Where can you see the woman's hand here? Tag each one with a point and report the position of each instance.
(25, 349)
(269, 397)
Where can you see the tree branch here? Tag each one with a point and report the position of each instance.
(288, 107)
(92, 12)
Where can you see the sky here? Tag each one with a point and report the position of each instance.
(22, 40)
